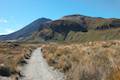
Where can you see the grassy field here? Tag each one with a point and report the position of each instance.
(99, 60)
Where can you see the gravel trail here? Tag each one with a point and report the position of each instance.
(38, 69)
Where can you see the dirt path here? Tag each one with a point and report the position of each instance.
(38, 69)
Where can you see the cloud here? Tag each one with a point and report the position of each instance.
(3, 20)
(7, 31)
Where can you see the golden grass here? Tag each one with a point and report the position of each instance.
(98, 60)
(10, 56)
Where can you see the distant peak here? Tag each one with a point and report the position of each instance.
(44, 19)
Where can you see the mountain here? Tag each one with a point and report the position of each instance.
(27, 30)
(80, 28)
(69, 28)
(93, 22)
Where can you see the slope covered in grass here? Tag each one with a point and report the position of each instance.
(91, 35)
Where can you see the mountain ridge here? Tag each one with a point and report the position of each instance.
(26, 31)
(67, 27)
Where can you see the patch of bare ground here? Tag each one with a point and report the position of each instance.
(98, 60)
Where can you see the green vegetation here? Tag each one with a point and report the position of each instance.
(93, 35)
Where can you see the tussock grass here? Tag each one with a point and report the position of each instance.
(98, 60)
(11, 55)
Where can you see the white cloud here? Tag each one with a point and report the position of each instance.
(3, 20)
(7, 31)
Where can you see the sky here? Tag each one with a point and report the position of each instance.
(15, 14)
